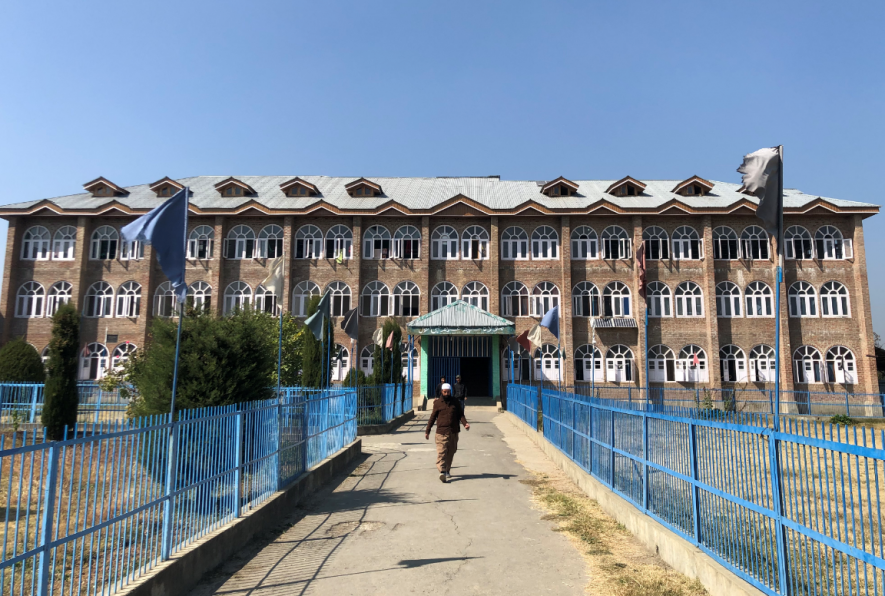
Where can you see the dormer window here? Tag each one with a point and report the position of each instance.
(363, 188)
(233, 191)
(296, 187)
(693, 187)
(166, 187)
(102, 187)
(560, 187)
(626, 187)
(234, 188)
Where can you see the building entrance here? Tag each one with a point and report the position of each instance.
(468, 356)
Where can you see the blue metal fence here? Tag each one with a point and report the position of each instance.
(91, 513)
(792, 512)
(379, 404)
(22, 403)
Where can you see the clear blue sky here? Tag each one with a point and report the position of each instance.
(137, 91)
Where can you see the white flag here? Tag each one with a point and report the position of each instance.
(535, 336)
(760, 170)
(274, 281)
(378, 337)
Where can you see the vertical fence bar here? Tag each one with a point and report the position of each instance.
(539, 409)
(778, 510)
(35, 389)
(695, 503)
(611, 449)
(238, 465)
(644, 460)
(166, 545)
(46, 523)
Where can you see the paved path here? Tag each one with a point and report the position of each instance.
(391, 527)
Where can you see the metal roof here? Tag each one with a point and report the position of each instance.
(460, 318)
(419, 194)
(614, 322)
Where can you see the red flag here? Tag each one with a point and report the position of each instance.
(389, 341)
(695, 361)
(523, 340)
(640, 260)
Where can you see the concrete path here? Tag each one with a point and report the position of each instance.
(391, 527)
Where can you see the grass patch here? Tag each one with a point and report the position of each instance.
(620, 565)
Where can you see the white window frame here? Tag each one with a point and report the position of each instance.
(758, 294)
(523, 362)
(270, 242)
(808, 366)
(841, 366)
(64, 243)
(661, 364)
(443, 294)
(728, 300)
(199, 295)
(165, 303)
(835, 301)
(830, 245)
(545, 244)
(239, 245)
(377, 243)
(301, 294)
(201, 243)
(339, 242)
(59, 293)
(585, 244)
(726, 245)
(755, 245)
(798, 244)
(129, 300)
(35, 244)
(659, 300)
(131, 251)
(619, 364)
(265, 300)
(341, 298)
(93, 355)
(584, 364)
(732, 364)
(586, 300)
(545, 296)
(477, 294)
(617, 300)
(514, 244)
(521, 291)
(689, 299)
(367, 359)
(616, 237)
(121, 355)
(406, 299)
(340, 363)
(407, 243)
(444, 244)
(802, 300)
(104, 240)
(656, 237)
(689, 372)
(99, 296)
(475, 244)
(762, 364)
(30, 300)
(375, 300)
(308, 243)
(237, 295)
(687, 244)
(547, 363)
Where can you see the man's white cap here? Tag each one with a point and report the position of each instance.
(446, 386)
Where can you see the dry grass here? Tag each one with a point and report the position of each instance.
(619, 564)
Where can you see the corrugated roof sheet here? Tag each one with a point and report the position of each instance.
(460, 317)
(426, 193)
(614, 322)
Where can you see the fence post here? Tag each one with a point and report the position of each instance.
(847, 407)
(695, 503)
(238, 465)
(98, 407)
(46, 522)
(279, 440)
(645, 460)
(611, 450)
(35, 389)
(774, 459)
(171, 470)
(539, 411)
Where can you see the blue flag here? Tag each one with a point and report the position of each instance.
(165, 228)
(551, 321)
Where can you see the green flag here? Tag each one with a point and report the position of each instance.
(315, 321)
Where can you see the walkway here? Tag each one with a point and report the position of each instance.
(391, 527)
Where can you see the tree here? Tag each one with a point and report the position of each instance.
(383, 359)
(293, 351)
(20, 363)
(223, 361)
(355, 377)
(314, 353)
(60, 397)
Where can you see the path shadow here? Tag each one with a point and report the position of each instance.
(481, 477)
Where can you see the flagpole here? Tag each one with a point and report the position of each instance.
(593, 358)
(780, 280)
(646, 359)
(280, 354)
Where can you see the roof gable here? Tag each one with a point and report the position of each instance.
(358, 188)
(559, 187)
(231, 187)
(165, 187)
(694, 186)
(102, 187)
(460, 318)
(626, 187)
(298, 187)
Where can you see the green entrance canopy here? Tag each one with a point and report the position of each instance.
(460, 318)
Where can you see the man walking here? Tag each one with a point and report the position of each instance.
(438, 393)
(449, 416)
(460, 392)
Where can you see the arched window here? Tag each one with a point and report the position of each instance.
(689, 300)
(807, 365)
(840, 366)
(759, 300)
(237, 296)
(797, 243)
(657, 243)
(376, 243)
(691, 367)
(725, 244)
(615, 243)
(754, 243)
(121, 355)
(728, 299)
(616, 300)
(831, 245)
(585, 244)
(444, 244)
(762, 365)
(29, 302)
(340, 298)
(477, 294)
(367, 360)
(406, 297)
(515, 300)
(803, 300)
(265, 300)
(545, 243)
(475, 243)
(93, 362)
(588, 363)
(199, 295)
(661, 365)
(309, 243)
(301, 294)
(514, 244)
(270, 242)
(619, 364)
(376, 300)
(164, 300)
(63, 243)
(339, 243)
(240, 243)
(59, 293)
(442, 294)
(547, 363)
(35, 244)
(341, 363)
(585, 300)
(129, 300)
(99, 300)
(687, 245)
(732, 364)
(659, 300)
(407, 243)
(104, 244)
(522, 370)
(201, 243)
(131, 251)
(544, 297)
(416, 366)
(834, 300)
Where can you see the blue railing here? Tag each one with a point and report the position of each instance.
(22, 403)
(379, 404)
(92, 513)
(792, 512)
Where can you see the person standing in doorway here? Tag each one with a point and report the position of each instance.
(449, 416)
(438, 393)
(460, 392)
